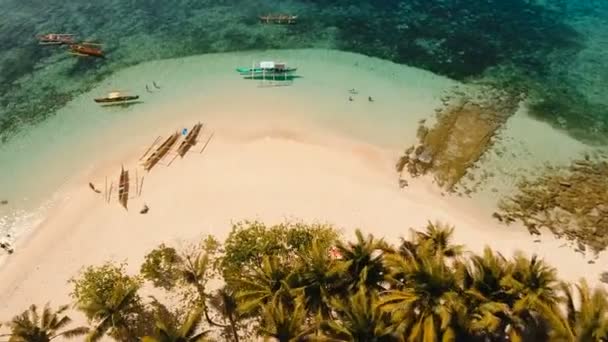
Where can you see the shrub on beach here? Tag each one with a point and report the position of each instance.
(299, 282)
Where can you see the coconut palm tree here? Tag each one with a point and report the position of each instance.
(113, 315)
(359, 319)
(437, 239)
(531, 286)
(365, 253)
(224, 302)
(425, 302)
(168, 329)
(285, 323)
(590, 321)
(194, 271)
(261, 285)
(30, 326)
(487, 301)
(317, 274)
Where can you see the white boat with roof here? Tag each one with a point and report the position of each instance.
(267, 68)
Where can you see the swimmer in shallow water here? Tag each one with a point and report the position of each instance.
(350, 98)
(369, 98)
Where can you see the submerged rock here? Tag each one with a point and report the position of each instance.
(569, 201)
(465, 130)
(425, 157)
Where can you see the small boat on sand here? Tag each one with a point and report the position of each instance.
(116, 97)
(123, 187)
(277, 18)
(161, 151)
(87, 50)
(190, 140)
(56, 39)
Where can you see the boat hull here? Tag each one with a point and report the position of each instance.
(87, 51)
(56, 39)
(120, 99)
(282, 77)
(284, 19)
(258, 72)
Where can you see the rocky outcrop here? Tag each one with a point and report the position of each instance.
(571, 202)
(464, 131)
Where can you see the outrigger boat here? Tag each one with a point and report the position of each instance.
(116, 97)
(56, 39)
(161, 151)
(268, 70)
(278, 19)
(190, 140)
(123, 187)
(86, 50)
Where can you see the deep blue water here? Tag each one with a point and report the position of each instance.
(553, 52)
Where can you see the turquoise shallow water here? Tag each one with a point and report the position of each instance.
(552, 50)
(83, 135)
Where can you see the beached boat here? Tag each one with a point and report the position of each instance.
(267, 70)
(123, 188)
(87, 50)
(190, 140)
(56, 39)
(161, 151)
(286, 19)
(116, 97)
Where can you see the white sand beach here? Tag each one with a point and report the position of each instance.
(302, 152)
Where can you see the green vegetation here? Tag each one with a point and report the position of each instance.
(32, 326)
(297, 282)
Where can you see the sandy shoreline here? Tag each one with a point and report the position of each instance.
(324, 160)
(272, 178)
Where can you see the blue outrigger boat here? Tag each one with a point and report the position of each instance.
(268, 70)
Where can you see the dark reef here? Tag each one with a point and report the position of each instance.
(518, 45)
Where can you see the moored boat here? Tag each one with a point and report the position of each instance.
(56, 39)
(278, 19)
(267, 68)
(86, 50)
(116, 97)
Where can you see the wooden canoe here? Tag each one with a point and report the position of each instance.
(278, 19)
(123, 188)
(190, 140)
(161, 151)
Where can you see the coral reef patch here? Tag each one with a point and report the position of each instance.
(553, 50)
(465, 129)
(569, 201)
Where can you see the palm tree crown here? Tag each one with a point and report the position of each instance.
(30, 326)
(167, 329)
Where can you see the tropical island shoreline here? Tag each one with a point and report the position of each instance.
(261, 164)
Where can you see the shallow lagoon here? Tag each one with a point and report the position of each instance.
(552, 50)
